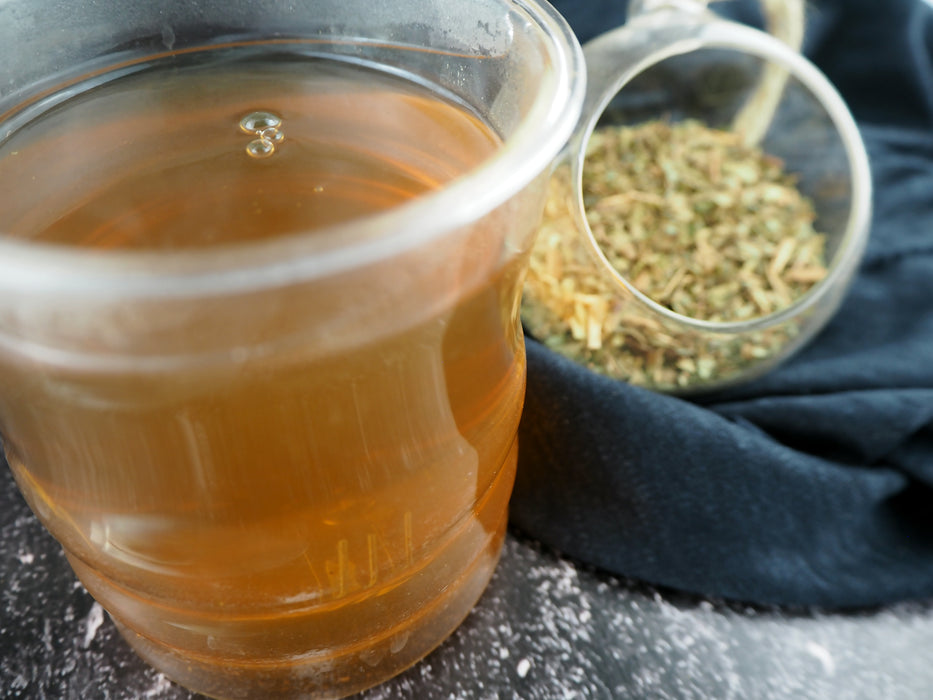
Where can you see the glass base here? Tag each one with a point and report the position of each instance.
(334, 673)
(456, 577)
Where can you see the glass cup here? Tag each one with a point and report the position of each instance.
(261, 365)
(675, 63)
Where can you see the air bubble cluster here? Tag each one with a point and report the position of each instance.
(266, 126)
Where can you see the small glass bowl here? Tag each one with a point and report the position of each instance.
(673, 65)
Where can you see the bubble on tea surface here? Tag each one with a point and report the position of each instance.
(259, 121)
(260, 148)
(272, 134)
(265, 125)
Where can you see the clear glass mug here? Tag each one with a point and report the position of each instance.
(675, 61)
(281, 462)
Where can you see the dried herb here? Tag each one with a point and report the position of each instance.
(696, 220)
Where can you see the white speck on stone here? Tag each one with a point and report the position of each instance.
(161, 685)
(823, 655)
(26, 558)
(523, 667)
(503, 652)
(93, 621)
(47, 636)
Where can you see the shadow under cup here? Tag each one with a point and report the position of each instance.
(276, 438)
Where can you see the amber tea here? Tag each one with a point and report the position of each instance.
(306, 509)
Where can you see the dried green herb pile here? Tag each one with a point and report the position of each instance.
(697, 221)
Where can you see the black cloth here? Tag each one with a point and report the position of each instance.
(812, 485)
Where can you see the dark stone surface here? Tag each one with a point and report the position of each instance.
(546, 628)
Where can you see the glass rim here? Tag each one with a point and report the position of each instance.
(541, 134)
